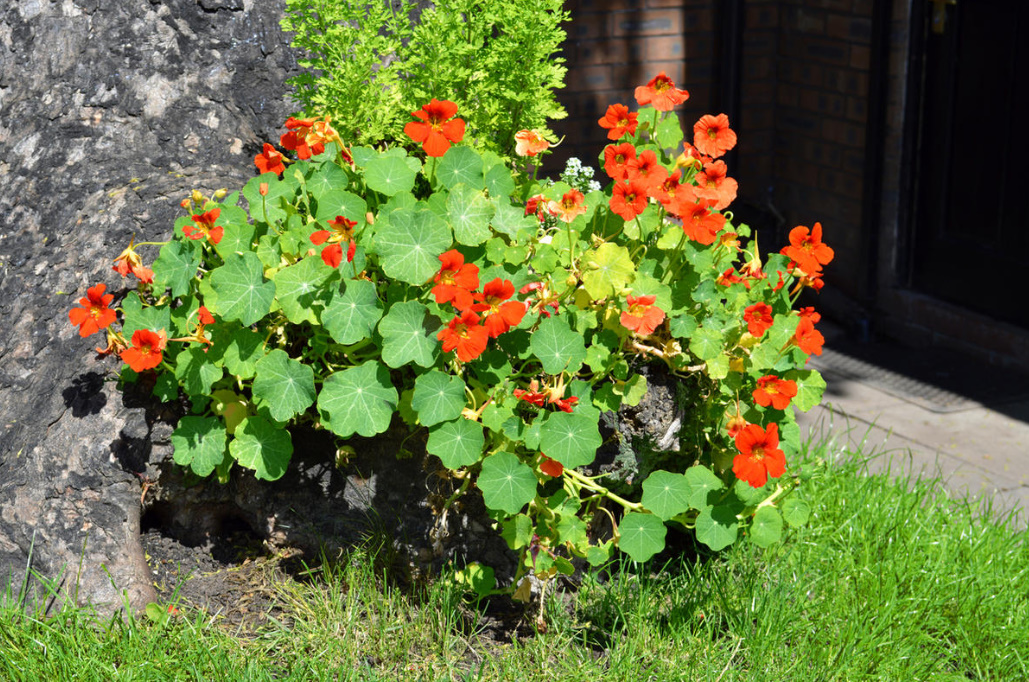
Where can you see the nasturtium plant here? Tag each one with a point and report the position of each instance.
(502, 318)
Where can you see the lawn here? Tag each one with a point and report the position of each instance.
(892, 579)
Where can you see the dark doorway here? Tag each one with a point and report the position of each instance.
(971, 232)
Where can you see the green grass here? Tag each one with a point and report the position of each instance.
(891, 580)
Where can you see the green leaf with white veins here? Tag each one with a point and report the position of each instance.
(243, 292)
(461, 164)
(351, 316)
(438, 397)
(358, 400)
(571, 439)
(641, 536)
(470, 213)
(609, 270)
(410, 245)
(299, 287)
(176, 267)
(262, 447)
(199, 444)
(389, 175)
(666, 494)
(457, 443)
(506, 482)
(558, 348)
(285, 385)
(409, 335)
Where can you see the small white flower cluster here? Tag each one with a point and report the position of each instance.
(579, 176)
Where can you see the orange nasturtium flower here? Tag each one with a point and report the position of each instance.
(713, 136)
(342, 231)
(145, 352)
(530, 143)
(714, 185)
(269, 160)
(646, 171)
(771, 390)
(758, 318)
(572, 204)
(436, 127)
(129, 261)
(465, 334)
(94, 314)
(619, 121)
(551, 467)
(501, 314)
(628, 199)
(455, 280)
(616, 160)
(807, 338)
(807, 250)
(699, 222)
(661, 93)
(642, 317)
(307, 137)
(205, 227)
(760, 457)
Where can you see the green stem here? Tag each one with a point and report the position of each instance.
(589, 484)
(677, 252)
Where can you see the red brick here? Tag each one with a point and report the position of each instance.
(758, 68)
(698, 20)
(822, 102)
(697, 71)
(843, 133)
(628, 76)
(803, 20)
(802, 73)
(857, 109)
(600, 52)
(787, 95)
(849, 28)
(663, 48)
(648, 22)
(860, 57)
(847, 82)
(757, 17)
(591, 78)
(589, 26)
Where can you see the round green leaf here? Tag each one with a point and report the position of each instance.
(238, 348)
(766, 529)
(135, 316)
(389, 175)
(810, 387)
(358, 400)
(238, 231)
(457, 443)
(300, 286)
(340, 203)
(285, 385)
(327, 178)
(669, 131)
(507, 483)
(511, 220)
(470, 213)
(796, 511)
(641, 536)
(610, 270)
(268, 208)
(717, 527)
(263, 447)
(702, 482)
(461, 164)
(438, 397)
(242, 292)
(571, 439)
(176, 267)
(666, 494)
(351, 316)
(199, 444)
(195, 371)
(410, 245)
(557, 346)
(409, 335)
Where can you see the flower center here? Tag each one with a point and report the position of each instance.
(758, 452)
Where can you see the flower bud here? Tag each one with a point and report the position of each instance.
(369, 218)
(221, 193)
(263, 189)
(198, 198)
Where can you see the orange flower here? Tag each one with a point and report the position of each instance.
(551, 467)
(145, 352)
(771, 390)
(129, 261)
(455, 280)
(572, 204)
(205, 227)
(435, 129)
(661, 93)
(758, 318)
(807, 338)
(533, 396)
(807, 250)
(342, 231)
(616, 160)
(735, 424)
(530, 143)
(466, 335)
(269, 161)
(700, 223)
(642, 317)
(760, 457)
(204, 318)
(94, 314)
(628, 199)
(501, 314)
(307, 137)
(714, 185)
(646, 171)
(713, 136)
(619, 121)
(810, 313)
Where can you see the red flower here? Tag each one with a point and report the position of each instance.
(807, 338)
(668, 189)
(628, 199)
(642, 317)
(551, 467)
(713, 136)
(807, 250)
(661, 93)
(729, 277)
(771, 390)
(307, 137)
(572, 204)
(501, 314)
(700, 223)
(205, 227)
(94, 314)
(758, 318)
(760, 457)
(714, 185)
(535, 206)
(269, 161)
(145, 352)
(810, 314)
(565, 404)
(646, 171)
(342, 231)
(533, 396)
(466, 335)
(205, 316)
(129, 261)
(616, 160)
(434, 129)
(735, 424)
(455, 281)
(619, 121)
(529, 143)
